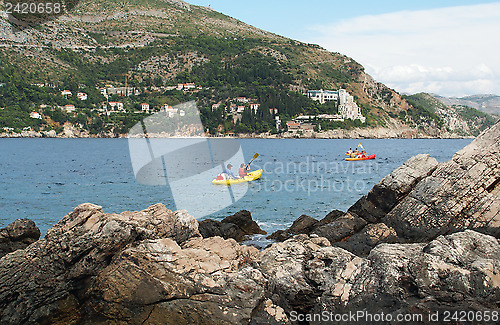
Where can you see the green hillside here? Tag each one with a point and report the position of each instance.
(460, 119)
(151, 45)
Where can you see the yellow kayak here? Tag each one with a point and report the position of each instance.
(250, 177)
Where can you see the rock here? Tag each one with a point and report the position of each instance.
(243, 219)
(211, 228)
(330, 217)
(455, 272)
(270, 314)
(370, 236)
(283, 265)
(392, 188)
(18, 235)
(303, 225)
(49, 278)
(340, 228)
(459, 194)
(208, 280)
(238, 226)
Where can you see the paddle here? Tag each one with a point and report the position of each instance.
(254, 157)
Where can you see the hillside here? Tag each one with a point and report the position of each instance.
(459, 119)
(486, 103)
(148, 46)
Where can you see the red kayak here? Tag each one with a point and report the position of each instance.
(365, 158)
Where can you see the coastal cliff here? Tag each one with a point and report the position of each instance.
(423, 240)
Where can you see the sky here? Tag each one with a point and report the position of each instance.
(450, 48)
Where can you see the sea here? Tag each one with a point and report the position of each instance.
(44, 179)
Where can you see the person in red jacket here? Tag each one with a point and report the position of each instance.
(243, 170)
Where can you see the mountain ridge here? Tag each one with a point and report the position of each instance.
(488, 103)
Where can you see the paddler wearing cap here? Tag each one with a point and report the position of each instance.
(229, 172)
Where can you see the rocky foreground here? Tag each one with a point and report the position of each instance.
(423, 240)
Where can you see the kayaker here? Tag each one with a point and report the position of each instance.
(229, 172)
(243, 170)
(350, 151)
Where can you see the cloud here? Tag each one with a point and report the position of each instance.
(452, 50)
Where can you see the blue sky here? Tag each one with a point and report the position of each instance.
(446, 47)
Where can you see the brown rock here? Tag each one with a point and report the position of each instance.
(18, 235)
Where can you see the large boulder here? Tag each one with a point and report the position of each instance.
(303, 225)
(49, 278)
(18, 235)
(456, 272)
(207, 281)
(460, 194)
(340, 228)
(307, 225)
(237, 226)
(393, 188)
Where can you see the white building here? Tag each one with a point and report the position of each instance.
(242, 99)
(36, 115)
(254, 107)
(104, 92)
(69, 108)
(81, 96)
(66, 93)
(323, 96)
(145, 107)
(116, 106)
(348, 109)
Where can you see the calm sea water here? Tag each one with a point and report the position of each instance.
(44, 179)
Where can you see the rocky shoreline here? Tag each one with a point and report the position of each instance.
(356, 133)
(425, 240)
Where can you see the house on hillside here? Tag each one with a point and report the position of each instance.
(348, 109)
(254, 107)
(242, 99)
(292, 125)
(145, 107)
(36, 115)
(66, 93)
(116, 106)
(69, 108)
(81, 96)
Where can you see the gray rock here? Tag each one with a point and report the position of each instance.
(370, 236)
(238, 226)
(341, 228)
(48, 278)
(206, 281)
(18, 235)
(393, 188)
(303, 225)
(243, 219)
(455, 272)
(460, 194)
